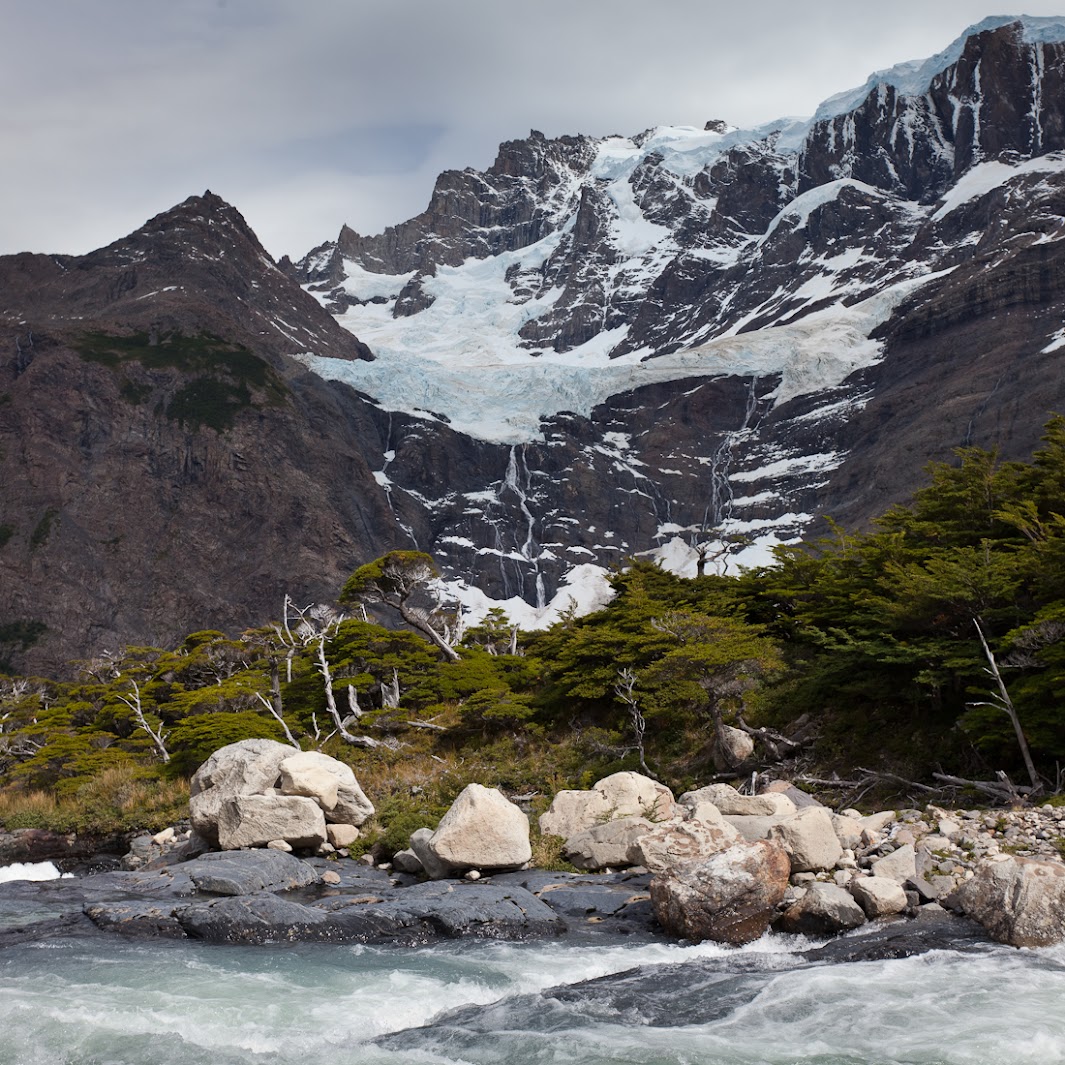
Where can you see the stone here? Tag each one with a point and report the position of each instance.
(300, 776)
(330, 877)
(899, 865)
(1019, 901)
(482, 830)
(810, 840)
(248, 872)
(876, 823)
(730, 802)
(634, 795)
(166, 836)
(571, 812)
(431, 865)
(673, 842)
(245, 768)
(256, 820)
(878, 896)
(407, 862)
(352, 808)
(825, 910)
(848, 831)
(605, 846)
(733, 747)
(341, 835)
(280, 845)
(799, 797)
(755, 828)
(730, 897)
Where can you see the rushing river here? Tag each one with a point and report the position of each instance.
(126, 1002)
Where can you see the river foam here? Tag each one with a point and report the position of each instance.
(82, 1002)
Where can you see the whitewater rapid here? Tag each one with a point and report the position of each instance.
(90, 1002)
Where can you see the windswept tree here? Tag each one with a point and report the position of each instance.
(396, 580)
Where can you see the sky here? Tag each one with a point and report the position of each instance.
(308, 114)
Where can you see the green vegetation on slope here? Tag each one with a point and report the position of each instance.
(869, 640)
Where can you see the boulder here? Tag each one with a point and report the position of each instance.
(481, 830)
(732, 748)
(784, 787)
(825, 910)
(248, 872)
(302, 774)
(1019, 901)
(810, 840)
(730, 897)
(633, 795)
(571, 812)
(341, 835)
(848, 831)
(245, 768)
(256, 820)
(878, 896)
(606, 846)
(755, 828)
(407, 862)
(430, 864)
(730, 802)
(673, 842)
(900, 865)
(351, 807)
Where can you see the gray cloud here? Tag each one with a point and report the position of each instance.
(310, 113)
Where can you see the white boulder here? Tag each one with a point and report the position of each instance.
(482, 830)
(810, 840)
(606, 846)
(878, 896)
(672, 843)
(258, 820)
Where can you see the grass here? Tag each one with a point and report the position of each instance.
(120, 799)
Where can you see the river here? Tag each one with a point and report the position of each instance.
(98, 1001)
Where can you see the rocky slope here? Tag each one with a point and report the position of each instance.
(696, 337)
(690, 342)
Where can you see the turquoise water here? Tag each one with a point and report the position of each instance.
(116, 1002)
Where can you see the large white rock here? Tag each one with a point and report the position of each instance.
(734, 746)
(1019, 901)
(571, 812)
(482, 830)
(300, 777)
(731, 803)
(899, 865)
(810, 840)
(429, 863)
(878, 896)
(245, 768)
(606, 846)
(672, 843)
(848, 831)
(256, 820)
(755, 828)
(634, 795)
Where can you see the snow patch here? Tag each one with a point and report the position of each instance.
(986, 177)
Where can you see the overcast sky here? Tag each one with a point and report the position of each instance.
(307, 114)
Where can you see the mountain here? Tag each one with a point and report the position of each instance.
(689, 342)
(721, 329)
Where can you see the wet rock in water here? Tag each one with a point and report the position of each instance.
(825, 910)
(730, 898)
(1018, 900)
(248, 872)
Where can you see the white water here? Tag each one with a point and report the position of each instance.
(29, 871)
(131, 1003)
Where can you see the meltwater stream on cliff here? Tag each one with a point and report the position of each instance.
(124, 1002)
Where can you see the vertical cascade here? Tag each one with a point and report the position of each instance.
(517, 481)
(719, 507)
(383, 480)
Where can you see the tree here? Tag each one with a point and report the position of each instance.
(393, 580)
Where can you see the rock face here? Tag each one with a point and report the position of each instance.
(482, 830)
(1018, 901)
(730, 898)
(919, 221)
(256, 792)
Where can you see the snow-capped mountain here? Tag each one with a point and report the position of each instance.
(690, 343)
(689, 335)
